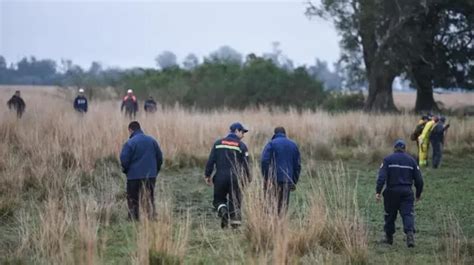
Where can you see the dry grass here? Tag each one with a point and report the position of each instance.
(67, 165)
(406, 100)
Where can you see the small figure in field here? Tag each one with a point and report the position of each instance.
(141, 159)
(398, 172)
(80, 102)
(17, 104)
(424, 141)
(418, 130)
(229, 156)
(437, 137)
(150, 105)
(130, 104)
(281, 167)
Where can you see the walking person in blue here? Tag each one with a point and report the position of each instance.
(229, 158)
(141, 159)
(437, 141)
(80, 102)
(397, 174)
(281, 167)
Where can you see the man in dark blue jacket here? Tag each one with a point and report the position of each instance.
(141, 160)
(229, 156)
(437, 141)
(281, 167)
(80, 102)
(398, 173)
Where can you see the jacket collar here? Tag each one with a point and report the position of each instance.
(233, 136)
(279, 135)
(139, 131)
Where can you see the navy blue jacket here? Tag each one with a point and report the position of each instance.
(229, 156)
(437, 134)
(80, 104)
(399, 169)
(281, 158)
(141, 157)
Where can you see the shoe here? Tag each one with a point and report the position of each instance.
(223, 213)
(387, 239)
(410, 240)
(235, 224)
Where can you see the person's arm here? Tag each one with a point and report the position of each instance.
(123, 105)
(87, 104)
(418, 181)
(211, 162)
(266, 160)
(245, 162)
(22, 105)
(382, 177)
(125, 157)
(297, 165)
(159, 156)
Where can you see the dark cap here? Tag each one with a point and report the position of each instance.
(399, 144)
(442, 119)
(237, 126)
(425, 117)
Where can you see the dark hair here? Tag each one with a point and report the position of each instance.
(134, 125)
(279, 129)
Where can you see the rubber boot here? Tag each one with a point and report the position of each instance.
(387, 239)
(410, 240)
(223, 213)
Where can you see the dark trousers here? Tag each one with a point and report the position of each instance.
(437, 153)
(130, 113)
(227, 192)
(399, 199)
(141, 190)
(280, 194)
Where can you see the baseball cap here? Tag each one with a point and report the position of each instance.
(237, 126)
(81, 90)
(129, 91)
(399, 144)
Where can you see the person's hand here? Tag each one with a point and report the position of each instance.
(292, 187)
(208, 181)
(418, 199)
(378, 197)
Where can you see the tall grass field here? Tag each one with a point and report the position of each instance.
(62, 193)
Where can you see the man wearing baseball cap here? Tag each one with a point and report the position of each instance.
(80, 102)
(130, 104)
(397, 174)
(229, 158)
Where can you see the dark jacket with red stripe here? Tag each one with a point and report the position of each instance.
(229, 156)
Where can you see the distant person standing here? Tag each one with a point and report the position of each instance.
(130, 104)
(437, 137)
(16, 103)
(281, 167)
(424, 141)
(150, 105)
(80, 102)
(418, 130)
(397, 174)
(229, 157)
(141, 159)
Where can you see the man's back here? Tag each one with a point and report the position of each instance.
(141, 157)
(16, 102)
(229, 155)
(281, 155)
(80, 103)
(399, 169)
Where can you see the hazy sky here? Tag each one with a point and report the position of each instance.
(126, 33)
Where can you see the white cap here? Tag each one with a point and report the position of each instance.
(129, 91)
(81, 90)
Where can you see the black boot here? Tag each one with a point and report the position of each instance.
(223, 213)
(387, 239)
(410, 240)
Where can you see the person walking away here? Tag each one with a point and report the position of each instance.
(281, 167)
(141, 159)
(130, 104)
(17, 104)
(437, 140)
(398, 172)
(150, 105)
(80, 102)
(424, 141)
(229, 158)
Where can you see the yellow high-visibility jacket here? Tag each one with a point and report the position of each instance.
(425, 134)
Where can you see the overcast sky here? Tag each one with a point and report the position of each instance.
(127, 34)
